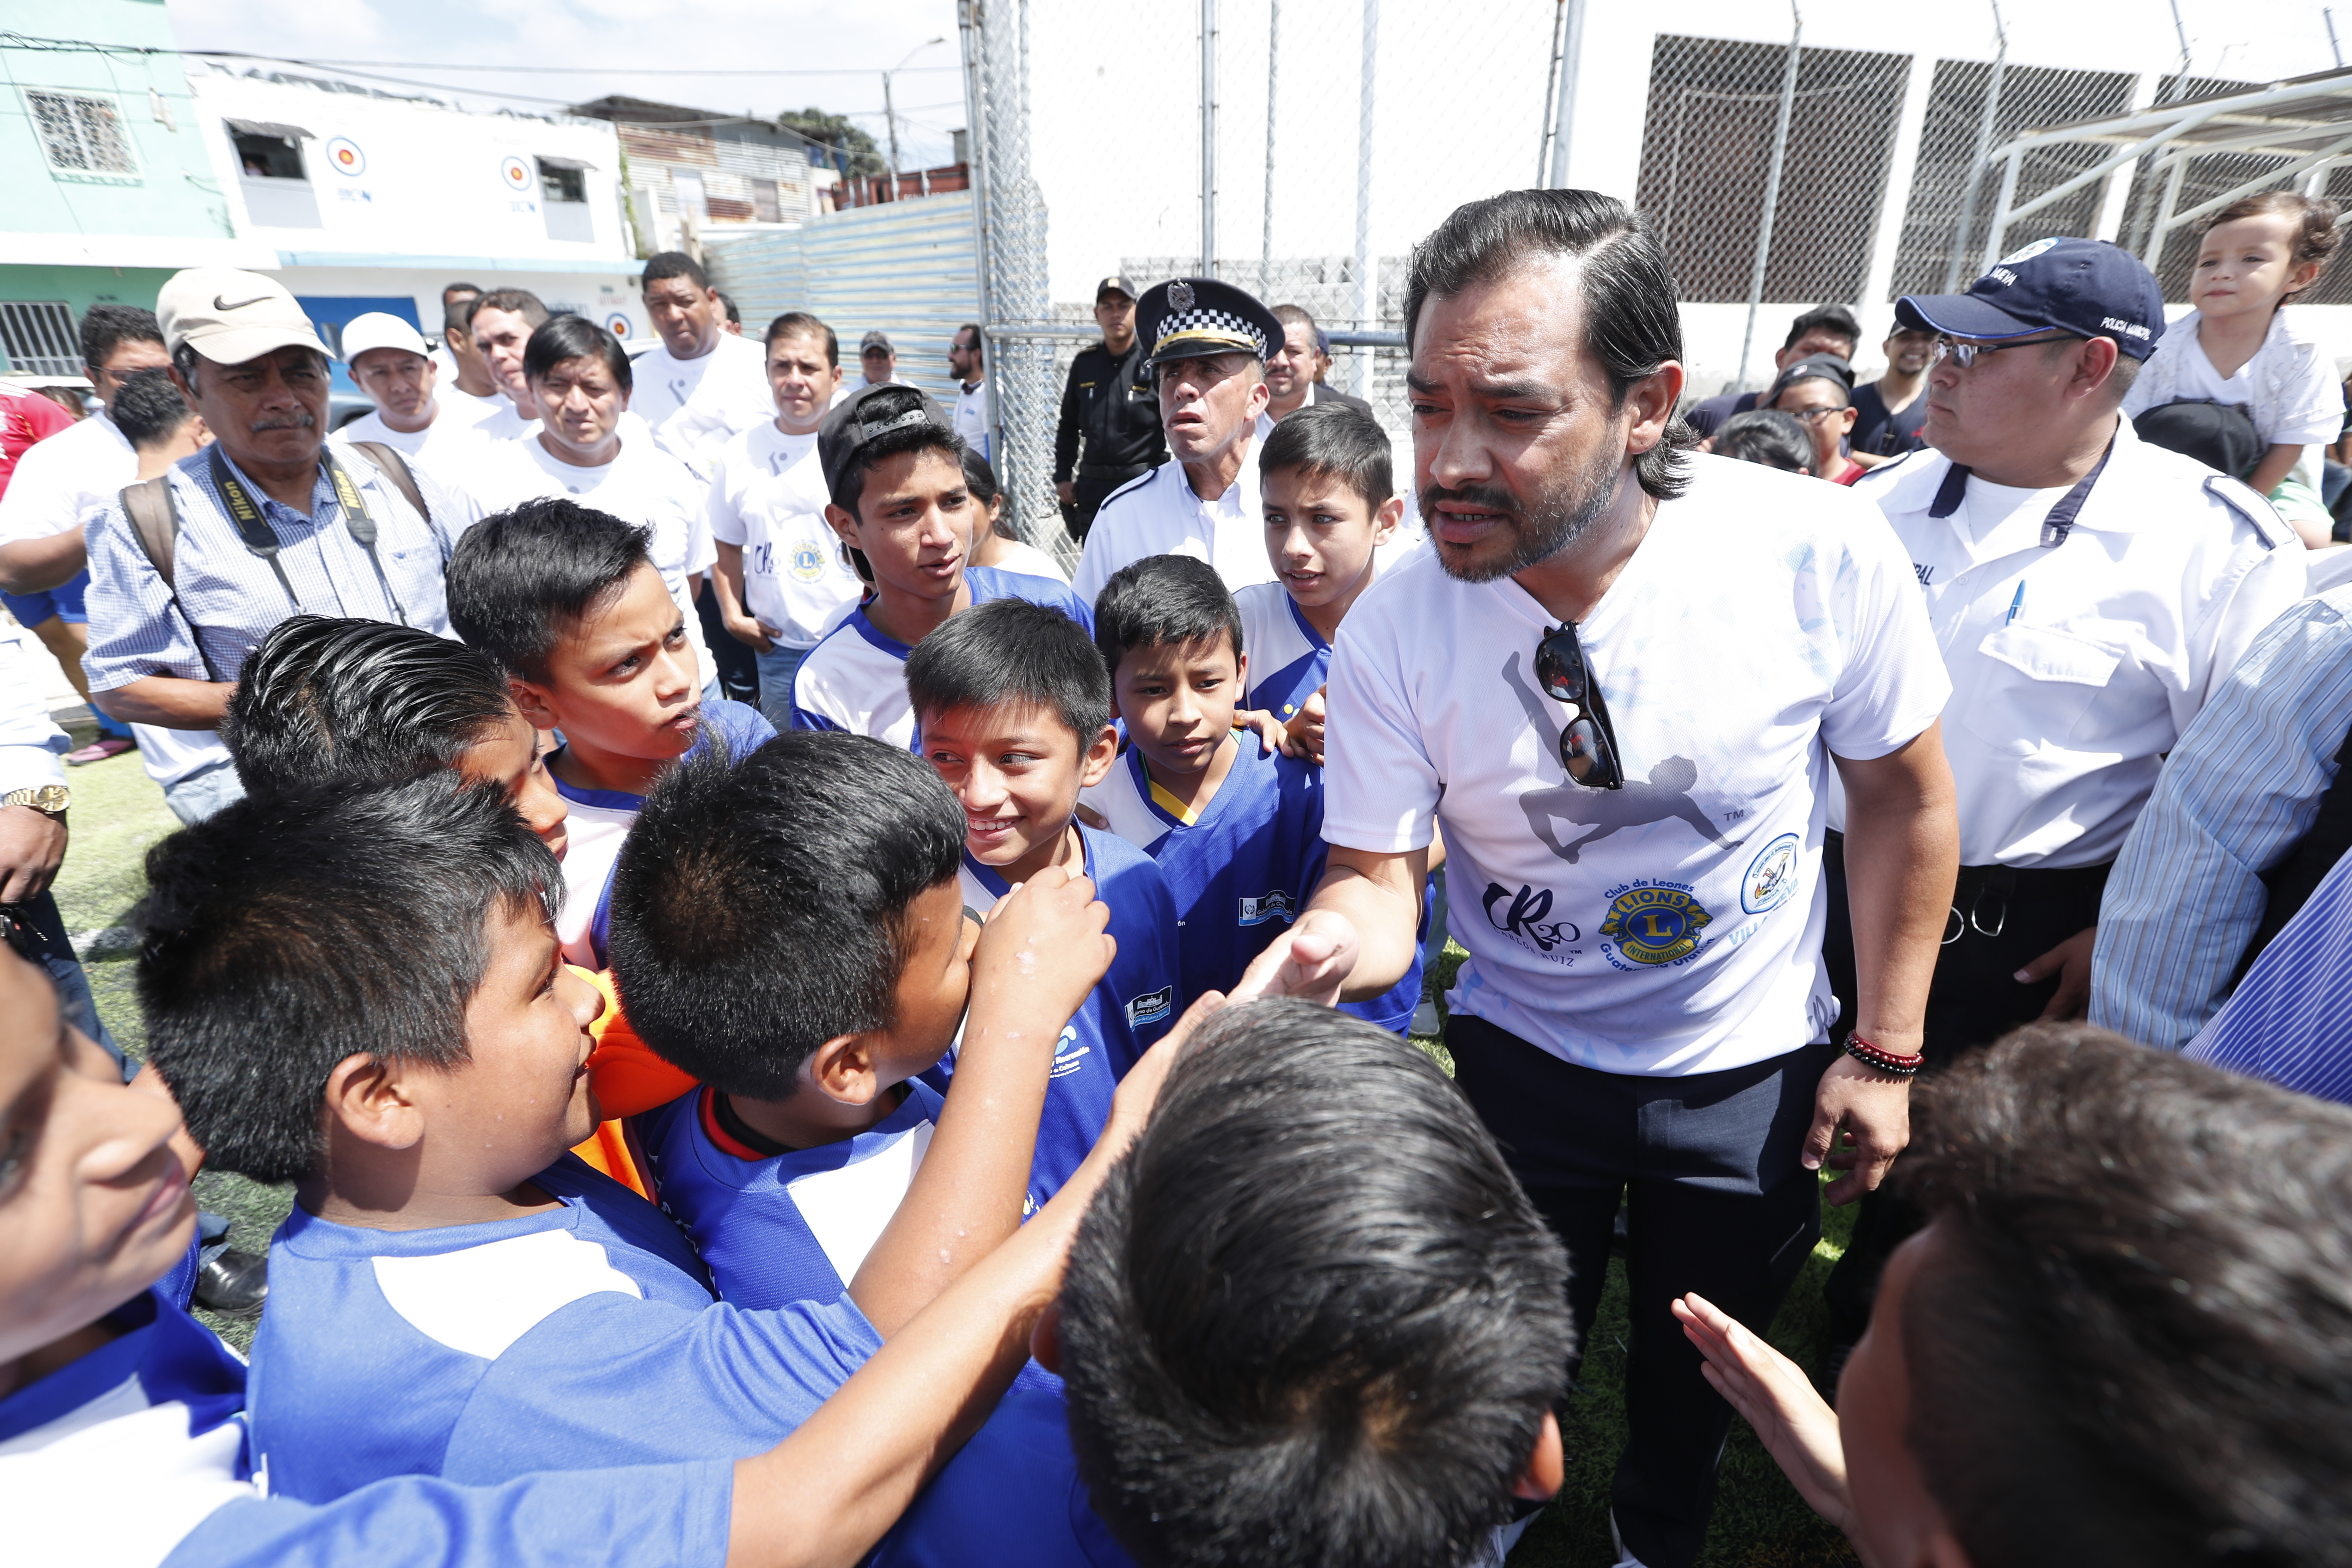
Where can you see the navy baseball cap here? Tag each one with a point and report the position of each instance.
(2087, 287)
(867, 415)
(1812, 367)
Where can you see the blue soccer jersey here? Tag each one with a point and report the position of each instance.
(580, 1337)
(1129, 1009)
(856, 679)
(1240, 867)
(136, 1454)
(1011, 1498)
(1289, 660)
(776, 1229)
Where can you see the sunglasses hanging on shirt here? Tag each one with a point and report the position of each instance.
(1588, 744)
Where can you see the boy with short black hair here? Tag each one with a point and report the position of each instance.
(353, 704)
(894, 468)
(531, 1314)
(1237, 834)
(1332, 519)
(1016, 716)
(791, 933)
(1312, 1318)
(568, 600)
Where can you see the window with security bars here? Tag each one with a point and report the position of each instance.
(39, 337)
(80, 135)
(1933, 253)
(1706, 155)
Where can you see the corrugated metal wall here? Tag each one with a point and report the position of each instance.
(903, 266)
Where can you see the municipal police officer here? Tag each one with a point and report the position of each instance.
(2088, 590)
(1209, 344)
(1111, 402)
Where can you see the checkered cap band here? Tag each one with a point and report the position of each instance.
(1202, 324)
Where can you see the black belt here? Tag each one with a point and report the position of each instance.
(1980, 902)
(1112, 470)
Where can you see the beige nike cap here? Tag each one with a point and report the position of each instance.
(230, 317)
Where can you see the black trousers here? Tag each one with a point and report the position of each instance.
(1716, 1203)
(2002, 920)
(739, 667)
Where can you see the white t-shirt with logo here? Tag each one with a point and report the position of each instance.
(695, 405)
(644, 484)
(1673, 926)
(972, 414)
(768, 495)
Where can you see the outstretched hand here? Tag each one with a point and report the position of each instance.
(1796, 1424)
(1046, 941)
(1311, 964)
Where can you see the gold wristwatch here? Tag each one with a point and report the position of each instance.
(49, 800)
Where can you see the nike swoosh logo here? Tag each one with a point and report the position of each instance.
(221, 304)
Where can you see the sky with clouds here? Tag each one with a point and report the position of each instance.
(809, 52)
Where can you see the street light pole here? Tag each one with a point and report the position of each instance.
(890, 111)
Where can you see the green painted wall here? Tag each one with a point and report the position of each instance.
(82, 286)
(173, 191)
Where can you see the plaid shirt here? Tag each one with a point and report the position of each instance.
(229, 598)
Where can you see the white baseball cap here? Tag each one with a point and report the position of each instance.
(379, 330)
(230, 317)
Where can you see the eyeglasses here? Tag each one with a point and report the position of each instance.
(1965, 354)
(1812, 415)
(1588, 745)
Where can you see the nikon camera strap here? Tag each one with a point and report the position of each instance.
(254, 529)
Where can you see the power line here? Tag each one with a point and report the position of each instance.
(577, 70)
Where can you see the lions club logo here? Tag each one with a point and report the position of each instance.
(1655, 924)
(807, 562)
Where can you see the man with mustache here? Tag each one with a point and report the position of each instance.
(1644, 1017)
(265, 523)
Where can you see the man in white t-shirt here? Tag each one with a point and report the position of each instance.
(579, 379)
(966, 363)
(704, 383)
(389, 362)
(501, 326)
(444, 358)
(782, 579)
(877, 358)
(466, 390)
(1209, 346)
(1621, 678)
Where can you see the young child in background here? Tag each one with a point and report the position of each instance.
(1237, 834)
(994, 543)
(2239, 346)
(454, 1295)
(1331, 513)
(894, 467)
(1016, 715)
(792, 932)
(570, 604)
(1768, 436)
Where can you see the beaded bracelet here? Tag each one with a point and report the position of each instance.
(1870, 1056)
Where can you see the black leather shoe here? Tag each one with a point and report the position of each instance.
(233, 1283)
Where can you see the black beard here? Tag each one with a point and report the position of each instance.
(1557, 519)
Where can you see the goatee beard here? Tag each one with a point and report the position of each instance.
(1557, 519)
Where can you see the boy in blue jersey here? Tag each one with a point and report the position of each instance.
(1331, 513)
(1237, 832)
(568, 602)
(363, 996)
(122, 1420)
(894, 465)
(777, 934)
(1016, 715)
(1312, 1318)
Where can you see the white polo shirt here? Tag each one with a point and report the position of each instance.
(1158, 514)
(1673, 926)
(2075, 667)
(695, 405)
(767, 497)
(644, 484)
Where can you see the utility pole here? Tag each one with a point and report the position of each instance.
(890, 111)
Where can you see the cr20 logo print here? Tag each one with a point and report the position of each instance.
(1525, 916)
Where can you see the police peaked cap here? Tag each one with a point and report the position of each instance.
(1193, 318)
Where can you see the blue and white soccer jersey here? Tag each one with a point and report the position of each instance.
(580, 1337)
(1240, 868)
(774, 1230)
(136, 1454)
(598, 822)
(1129, 1009)
(856, 679)
(1289, 660)
(1011, 1498)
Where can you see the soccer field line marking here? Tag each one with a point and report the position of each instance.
(106, 941)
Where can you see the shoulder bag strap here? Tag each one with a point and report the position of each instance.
(154, 519)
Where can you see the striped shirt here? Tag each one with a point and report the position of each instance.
(2241, 790)
(2290, 1021)
(229, 598)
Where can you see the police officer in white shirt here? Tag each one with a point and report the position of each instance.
(1621, 676)
(704, 383)
(1209, 345)
(2088, 591)
(389, 362)
(965, 362)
